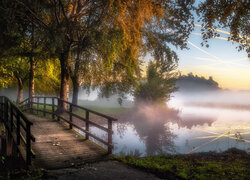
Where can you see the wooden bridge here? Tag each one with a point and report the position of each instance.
(50, 137)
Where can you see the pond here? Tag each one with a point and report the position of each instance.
(186, 129)
(197, 130)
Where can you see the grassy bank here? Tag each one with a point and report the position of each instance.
(100, 109)
(232, 164)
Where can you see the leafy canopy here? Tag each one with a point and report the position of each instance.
(159, 83)
(233, 15)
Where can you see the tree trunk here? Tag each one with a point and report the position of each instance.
(75, 76)
(76, 85)
(31, 81)
(20, 90)
(64, 90)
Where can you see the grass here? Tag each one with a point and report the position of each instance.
(35, 174)
(198, 166)
(107, 110)
(100, 109)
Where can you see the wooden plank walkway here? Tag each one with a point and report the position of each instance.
(57, 146)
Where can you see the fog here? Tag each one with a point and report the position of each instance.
(12, 93)
(193, 122)
(228, 99)
(93, 98)
(197, 121)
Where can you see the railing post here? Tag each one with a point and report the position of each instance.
(11, 118)
(58, 109)
(6, 110)
(18, 129)
(28, 144)
(30, 104)
(70, 116)
(3, 108)
(87, 124)
(53, 108)
(110, 132)
(37, 108)
(44, 106)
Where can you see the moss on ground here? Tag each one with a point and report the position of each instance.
(233, 164)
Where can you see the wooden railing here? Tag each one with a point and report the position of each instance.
(18, 126)
(51, 105)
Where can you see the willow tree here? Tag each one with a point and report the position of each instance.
(148, 28)
(47, 77)
(64, 23)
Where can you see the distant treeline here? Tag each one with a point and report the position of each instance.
(192, 82)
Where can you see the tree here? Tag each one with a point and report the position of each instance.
(22, 40)
(16, 69)
(47, 78)
(226, 14)
(159, 83)
(149, 32)
(65, 23)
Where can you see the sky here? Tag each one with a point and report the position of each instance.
(229, 67)
(222, 61)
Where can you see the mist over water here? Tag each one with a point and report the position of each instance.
(194, 122)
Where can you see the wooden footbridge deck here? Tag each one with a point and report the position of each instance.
(51, 137)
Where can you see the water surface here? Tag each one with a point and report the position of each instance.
(187, 130)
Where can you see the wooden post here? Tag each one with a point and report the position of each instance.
(3, 107)
(87, 124)
(28, 145)
(6, 110)
(53, 108)
(18, 129)
(37, 108)
(44, 106)
(32, 104)
(58, 109)
(110, 132)
(11, 118)
(28, 105)
(70, 116)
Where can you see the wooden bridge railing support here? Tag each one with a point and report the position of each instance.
(17, 125)
(57, 111)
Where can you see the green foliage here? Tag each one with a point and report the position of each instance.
(108, 110)
(48, 77)
(35, 174)
(2, 159)
(159, 83)
(192, 167)
(112, 34)
(12, 69)
(226, 14)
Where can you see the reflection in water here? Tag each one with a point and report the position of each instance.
(149, 130)
(152, 124)
(189, 121)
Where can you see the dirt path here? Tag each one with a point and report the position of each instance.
(105, 170)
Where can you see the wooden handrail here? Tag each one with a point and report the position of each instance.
(16, 124)
(86, 109)
(58, 113)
